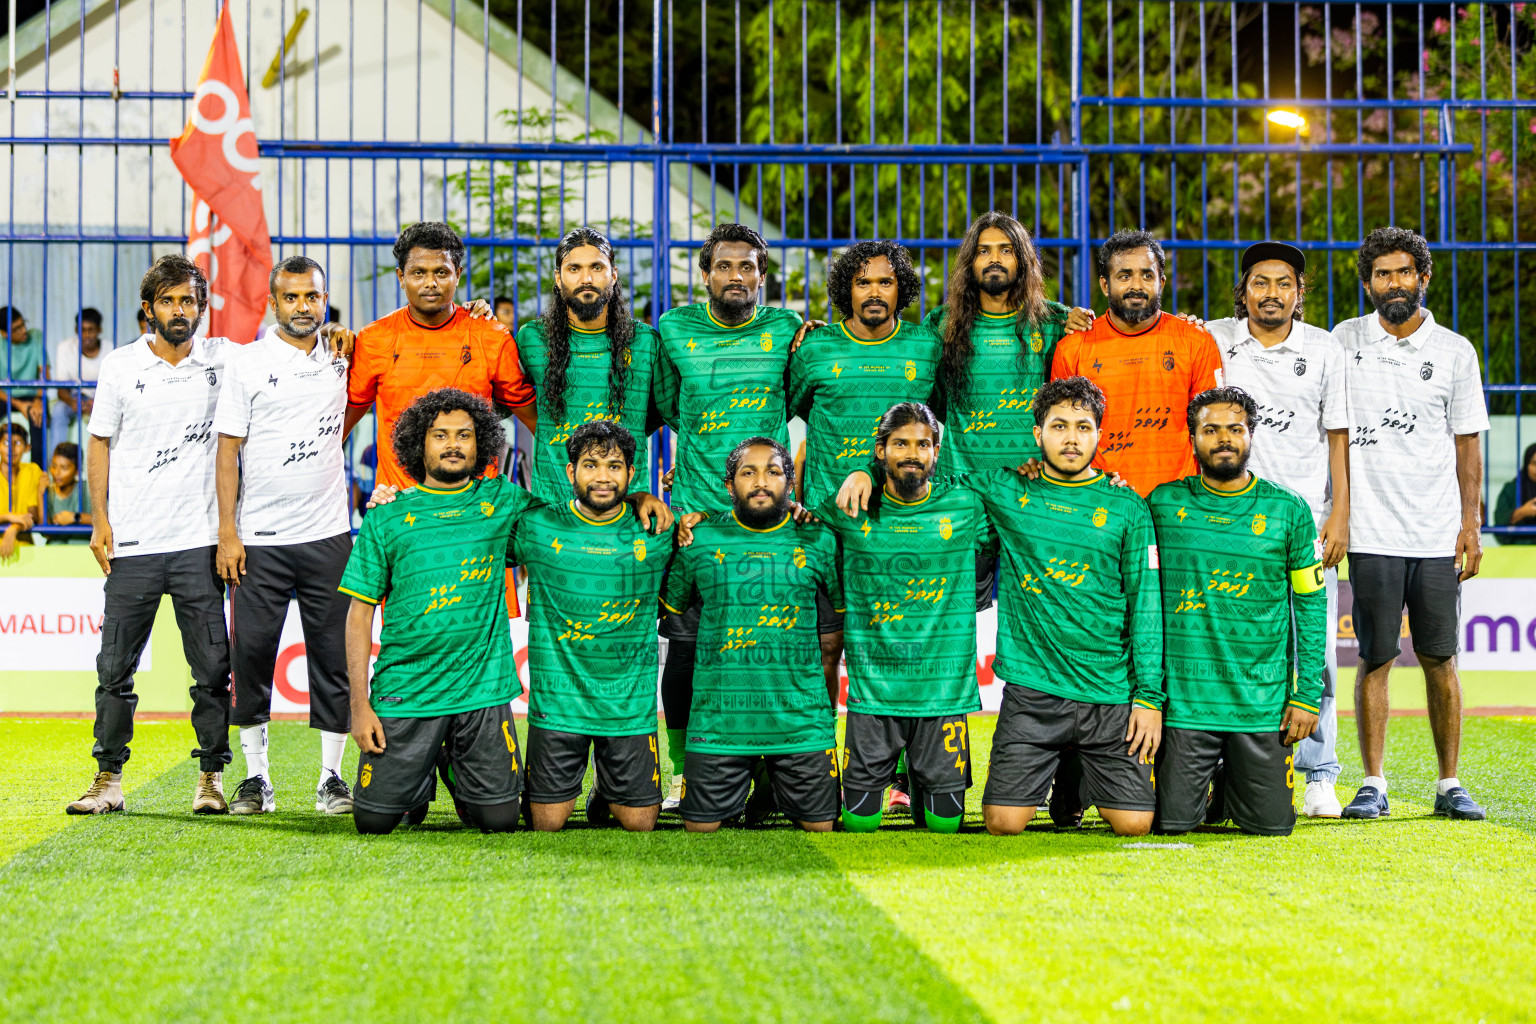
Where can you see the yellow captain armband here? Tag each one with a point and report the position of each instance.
(1308, 580)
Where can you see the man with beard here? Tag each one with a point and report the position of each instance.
(1242, 575)
(592, 647)
(588, 360)
(758, 693)
(1416, 473)
(152, 453)
(844, 377)
(1295, 372)
(285, 526)
(908, 566)
(719, 380)
(445, 675)
(1148, 363)
(1080, 629)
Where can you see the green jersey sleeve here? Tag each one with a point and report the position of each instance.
(678, 592)
(831, 575)
(1144, 608)
(367, 574)
(666, 383)
(799, 389)
(1309, 599)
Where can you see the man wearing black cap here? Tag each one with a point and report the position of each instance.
(1295, 372)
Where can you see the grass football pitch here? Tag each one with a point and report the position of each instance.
(160, 916)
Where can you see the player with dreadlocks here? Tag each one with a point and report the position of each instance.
(588, 359)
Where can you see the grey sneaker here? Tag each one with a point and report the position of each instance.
(253, 797)
(333, 797)
(208, 797)
(104, 796)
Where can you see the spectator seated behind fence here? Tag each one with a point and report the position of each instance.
(1517, 500)
(77, 358)
(19, 482)
(23, 360)
(61, 496)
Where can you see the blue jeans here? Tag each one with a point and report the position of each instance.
(1316, 755)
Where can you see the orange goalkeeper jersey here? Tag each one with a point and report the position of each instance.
(397, 360)
(1148, 380)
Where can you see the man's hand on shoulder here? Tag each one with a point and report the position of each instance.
(383, 495)
(853, 496)
(479, 309)
(802, 331)
(654, 514)
(685, 527)
(1078, 320)
(339, 340)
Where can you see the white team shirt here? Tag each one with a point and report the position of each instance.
(1299, 387)
(289, 405)
(158, 420)
(1407, 399)
(69, 364)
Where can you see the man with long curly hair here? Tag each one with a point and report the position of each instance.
(588, 360)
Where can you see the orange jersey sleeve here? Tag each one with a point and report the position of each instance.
(1064, 362)
(1205, 362)
(370, 356)
(508, 384)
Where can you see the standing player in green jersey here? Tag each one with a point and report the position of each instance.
(844, 377)
(1080, 625)
(588, 360)
(445, 676)
(758, 690)
(594, 575)
(1240, 558)
(719, 380)
(908, 566)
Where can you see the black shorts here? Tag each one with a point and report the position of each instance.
(628, 770)
(804, 785)
(1034, 731)
(938, 752)
(986, 579)
(684, 627)
(1259, 785)
(828, 619)
(1383, 584)
(481, 749)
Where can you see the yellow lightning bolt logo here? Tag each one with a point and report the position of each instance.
(837, 371)
(1181, 514)
(410, 520)
(1023, 500)
(691, 344)
(556, 545)
(865, 528)
(719, 555)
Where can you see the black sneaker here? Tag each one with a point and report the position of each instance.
(1371, 802)
(255, 797)
(1065, 805)
(1457, 805)
(597, 808)
(333, 797)
(1216, 803)
(761, 805)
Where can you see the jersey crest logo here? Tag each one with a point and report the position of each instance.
(946, 530)
(1258, 524)
(213, 378)
(1181, 514)
(639, 549)
(799, 558)
(1100, 516)
(766, 340)
(340, 367)
(1036, 343)
(367, 775)
(487, 508)
(911, 370)
(410, 520)
(1425, 372)
(1168, 359)
(627, 357)
(1300, 368)
(719, 555)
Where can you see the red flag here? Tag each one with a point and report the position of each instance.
(228, 237)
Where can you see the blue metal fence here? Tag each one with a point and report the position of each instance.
(820, 121)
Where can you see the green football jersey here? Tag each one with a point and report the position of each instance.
(909, 574)
(758, 687)
(841, 386)
(586, 399)
(1080, 610)
(718, 386)
(1235, 568)
(991, 424)
(437, 561)
(592, 592)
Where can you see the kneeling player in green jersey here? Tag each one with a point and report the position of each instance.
(594, 574)
(1242, 582)
(909, 572)
(757, 687)
(1080, 626)
(445, 676)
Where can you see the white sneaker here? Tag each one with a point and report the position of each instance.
(1320, 801)
(674, 800)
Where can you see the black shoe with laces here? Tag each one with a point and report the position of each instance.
(333, 797)
(255, 797)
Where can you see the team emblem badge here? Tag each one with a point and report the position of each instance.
(340, 366)
(945, 529)
(1100, 516)
(639, 549)
(367, 775)
(766, 340)
(799, 558)
(487, 507)
(1258, 524)
(911, 370)
(213, 378)
(627, 357)
(1036, 343)
(1426, 371)
(1300, 367)
(1168, 359)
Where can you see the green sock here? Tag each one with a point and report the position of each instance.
(866, 822)
(677, 746)
(901, 763)
(937, 824)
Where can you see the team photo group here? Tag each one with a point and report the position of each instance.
(1160, 506)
